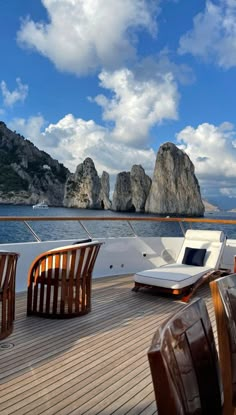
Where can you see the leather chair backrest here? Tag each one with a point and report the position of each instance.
(184, 364)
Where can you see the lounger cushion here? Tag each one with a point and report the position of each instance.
(205, 235)
(179, 275)
(212, 241)
(194, 256)
(173, 276)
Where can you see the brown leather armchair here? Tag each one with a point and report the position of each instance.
(184, 364)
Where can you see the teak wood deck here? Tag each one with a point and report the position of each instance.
(93, 364)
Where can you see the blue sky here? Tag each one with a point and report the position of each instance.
(115, 79)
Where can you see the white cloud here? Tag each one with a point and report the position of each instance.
(161, 64)
(82, 35)
(71, 140)
(213, 36)
(137, 104)
(139, 99)
(30, 128)
(212, 151)
(19, 94)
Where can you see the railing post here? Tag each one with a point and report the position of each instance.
(32, 231)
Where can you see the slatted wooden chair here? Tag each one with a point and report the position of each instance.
(59, 281)
(224, 299)
(184, 364)
(8, 262)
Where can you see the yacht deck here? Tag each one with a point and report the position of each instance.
(94, 364)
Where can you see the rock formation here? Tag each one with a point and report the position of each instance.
(105, 202)
(85, 190)
(122, 196)
(140, 186)
(131, 190)
(28, 175)
(175, 189)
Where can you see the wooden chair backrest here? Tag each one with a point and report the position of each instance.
(66, 263)
(224, 299)
(184, 364)
(8, 261)
(59, 281)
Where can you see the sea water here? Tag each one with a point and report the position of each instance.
(11, 232)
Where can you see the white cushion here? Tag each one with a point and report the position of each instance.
(178, 275)
(205, 235)
(174, 276)
(212, 241)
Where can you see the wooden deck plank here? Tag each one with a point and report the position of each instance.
(95, 364)
(86, 340)
(82, 371)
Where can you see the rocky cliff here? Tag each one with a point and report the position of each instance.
(175, 189)
(131, 190)
(140, 187)
(84, 189)
(122, 197)
(105, 191)
(28, 175)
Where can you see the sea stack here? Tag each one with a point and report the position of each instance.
(140, 187)
(131, 190)
(122, 196)
(175, 189)
(84, 189)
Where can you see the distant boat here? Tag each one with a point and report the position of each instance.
(41, 205)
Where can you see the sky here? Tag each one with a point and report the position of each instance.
(115, 79)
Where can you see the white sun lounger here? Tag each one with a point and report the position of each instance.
(182, 278)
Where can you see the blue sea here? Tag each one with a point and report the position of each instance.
(18, 232)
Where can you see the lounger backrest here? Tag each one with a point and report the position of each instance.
(212, 241)
(184, 364)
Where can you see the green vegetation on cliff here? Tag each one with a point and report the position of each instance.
(27, 172)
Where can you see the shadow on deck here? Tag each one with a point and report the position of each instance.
(93, 364)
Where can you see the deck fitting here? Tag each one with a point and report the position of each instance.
(6, 346)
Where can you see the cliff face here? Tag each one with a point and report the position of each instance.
(122, 197)
(85, 189)
(105, 191)
(131, 190)
(28, 175)
(175, 189)
(140, 187)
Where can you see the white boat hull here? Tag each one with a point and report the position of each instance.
(117, 256)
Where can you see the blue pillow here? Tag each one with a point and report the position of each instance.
(194, 256)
